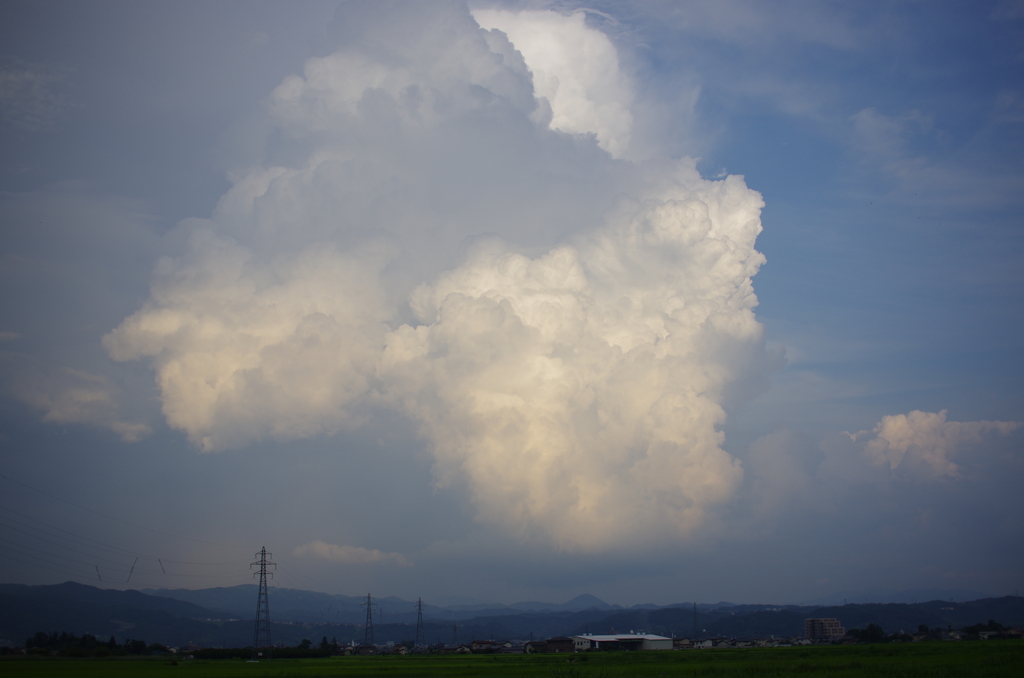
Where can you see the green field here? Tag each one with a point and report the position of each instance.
(964, 659)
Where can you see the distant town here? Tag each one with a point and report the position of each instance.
(79, 620)
(819, 631)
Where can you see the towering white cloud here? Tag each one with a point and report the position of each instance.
(570, 366)
(582, 388)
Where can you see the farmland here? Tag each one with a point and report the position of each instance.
(931, 660)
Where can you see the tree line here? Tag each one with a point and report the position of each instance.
(88, 645)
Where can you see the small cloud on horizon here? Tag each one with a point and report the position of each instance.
(350, 555)
(926, 439)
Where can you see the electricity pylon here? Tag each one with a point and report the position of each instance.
(261, 634)
(368, 633)
(421, 639)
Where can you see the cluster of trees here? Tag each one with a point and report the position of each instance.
(991, 627)
(872, 634)
(875, 634)
(303, 650)
(68, 645)
(324, 644)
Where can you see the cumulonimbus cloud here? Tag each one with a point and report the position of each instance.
(349, 555)
(571, 366)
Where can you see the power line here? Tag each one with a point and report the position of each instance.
(88, 550)
(130, 571)
(92, 558)
(101, 545)
(62, 568)
(21, 548)
(82, 541)
(51, 547)
(322, 585)
(109, 517)
(90, 555)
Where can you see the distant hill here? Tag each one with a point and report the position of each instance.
(295, 605)
(80, 593)
(581, 602)
(176, 618)
(905, 596)
(286, 604)
(81, 609)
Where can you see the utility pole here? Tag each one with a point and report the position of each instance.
(368, 633)
(421, 639)
(455, 633)
(261, 634)
(695, 622)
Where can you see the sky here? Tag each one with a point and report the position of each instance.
(656, 301)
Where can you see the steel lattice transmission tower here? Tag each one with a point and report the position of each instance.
(368, 633)
(421, 639)
(261, 634)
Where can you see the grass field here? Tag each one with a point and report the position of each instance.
(966, 659)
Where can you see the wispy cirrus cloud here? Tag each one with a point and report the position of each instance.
(29, 96)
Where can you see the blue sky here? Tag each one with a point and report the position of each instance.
(286, 277)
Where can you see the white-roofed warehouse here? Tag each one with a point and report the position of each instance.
(622, 641)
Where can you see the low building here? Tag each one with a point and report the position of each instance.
(561, 644)
(823, 629)
(624, 641)
(481, 645)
